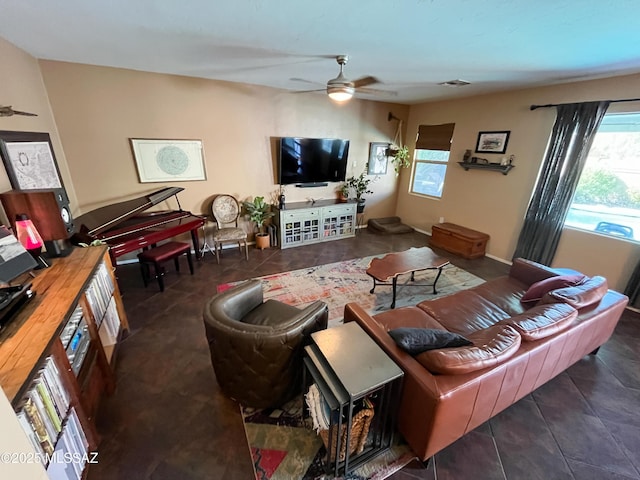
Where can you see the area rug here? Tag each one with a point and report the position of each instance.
(343, 282)
(285, 447)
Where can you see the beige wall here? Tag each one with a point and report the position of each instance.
(21, 86)
(99, 109)
(495, 203)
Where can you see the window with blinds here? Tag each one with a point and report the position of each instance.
(431, 158)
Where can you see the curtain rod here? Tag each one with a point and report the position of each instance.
(533, 107)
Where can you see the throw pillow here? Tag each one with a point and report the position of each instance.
(418, 340)
(539, 289)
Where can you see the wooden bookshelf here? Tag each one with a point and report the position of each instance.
(76, 297)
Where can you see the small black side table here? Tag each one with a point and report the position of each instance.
(348, 366)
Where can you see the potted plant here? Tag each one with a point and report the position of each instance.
(360, 186)
(343, 192)
(399, 157)
(259, 212)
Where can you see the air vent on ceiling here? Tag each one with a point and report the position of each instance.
(455, 83)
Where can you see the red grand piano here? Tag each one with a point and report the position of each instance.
(126, 227)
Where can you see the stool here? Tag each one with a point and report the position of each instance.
(161, 254)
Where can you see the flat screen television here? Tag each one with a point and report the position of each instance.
(308, 161)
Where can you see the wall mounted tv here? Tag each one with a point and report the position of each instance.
(312, 161)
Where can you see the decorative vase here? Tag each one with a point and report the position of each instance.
(360, 207)
(262, 241)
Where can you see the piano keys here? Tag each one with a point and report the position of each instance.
(126, 226)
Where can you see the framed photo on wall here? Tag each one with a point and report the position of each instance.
(378, 158)
(29, 160)
(168, 160)
(492, 142)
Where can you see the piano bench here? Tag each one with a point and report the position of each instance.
(160, 254)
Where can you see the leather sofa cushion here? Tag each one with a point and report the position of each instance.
(411, 317)
(543, 320)
(539, 289)
(504, 292)
(491, 346)
(270, 312)
(587, 293)
(464, 312)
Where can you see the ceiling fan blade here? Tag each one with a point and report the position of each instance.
(296, 79)
(27, 114)
(7, 111)
(364, 81)
(376, 91)
(309, 91)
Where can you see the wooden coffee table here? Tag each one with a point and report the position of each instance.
(410, 261)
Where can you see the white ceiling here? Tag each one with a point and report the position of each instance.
(409, 45)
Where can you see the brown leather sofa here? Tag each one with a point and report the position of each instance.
(517, 347)
(256, 347)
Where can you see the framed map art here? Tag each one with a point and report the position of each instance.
(168, 160)
(29, 160)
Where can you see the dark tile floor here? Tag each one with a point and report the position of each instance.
(168, 420)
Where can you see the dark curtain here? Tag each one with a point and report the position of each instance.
(571, 139)
(632, 289)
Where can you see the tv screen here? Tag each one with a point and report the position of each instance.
(312, 160)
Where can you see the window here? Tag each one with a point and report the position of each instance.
(431, 158)
(607, 199)
(430, 167)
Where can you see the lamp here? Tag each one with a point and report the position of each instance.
(340, 89)
(30, 239)
(340, 93)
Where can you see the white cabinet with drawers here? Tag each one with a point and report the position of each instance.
(303, 223)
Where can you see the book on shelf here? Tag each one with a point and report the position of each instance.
(28, 428)
(70, 455)
(44, 407)
(38, 426)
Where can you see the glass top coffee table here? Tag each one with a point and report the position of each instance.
(410, 261)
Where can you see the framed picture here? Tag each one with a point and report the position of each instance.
(168, 160)
(377, 158)
(492, 142)
(29, 160)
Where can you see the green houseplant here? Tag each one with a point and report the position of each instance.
(259, 212)
(360, 186)
(343, 192)
(399, 157)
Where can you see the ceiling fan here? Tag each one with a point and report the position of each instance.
(7, 111)
(342, 89)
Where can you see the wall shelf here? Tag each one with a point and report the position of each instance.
(496, 167)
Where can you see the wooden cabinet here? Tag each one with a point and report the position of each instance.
(57, 356)
(459, 240)
(304, 223)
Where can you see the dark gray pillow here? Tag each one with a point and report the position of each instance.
(418, 340)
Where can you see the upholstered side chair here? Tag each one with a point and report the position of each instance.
(256, 346)
(226, 211)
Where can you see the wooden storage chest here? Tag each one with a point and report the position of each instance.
(459, 240)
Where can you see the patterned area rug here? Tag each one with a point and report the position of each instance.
(285, 447)
(343, 282)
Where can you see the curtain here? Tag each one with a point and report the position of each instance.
(571, 139)
(435, 137)
(632, 290)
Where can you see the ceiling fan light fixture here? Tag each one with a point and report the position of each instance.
(340, 93)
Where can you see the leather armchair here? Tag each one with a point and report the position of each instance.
(256, 346)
